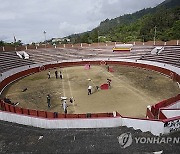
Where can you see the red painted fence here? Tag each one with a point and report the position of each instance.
(152, 114)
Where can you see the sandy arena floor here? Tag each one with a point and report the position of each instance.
(131, 91)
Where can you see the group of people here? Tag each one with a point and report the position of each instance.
(65, 106)
(97, 87)
(56, 74)
(7, 100)
(64, 103)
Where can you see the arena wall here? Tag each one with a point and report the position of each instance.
(48, 120)
(169, 113)
(149, 43)
(156, 127)
(61, 123)
(175, 105)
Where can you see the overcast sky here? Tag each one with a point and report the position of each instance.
(27, 19)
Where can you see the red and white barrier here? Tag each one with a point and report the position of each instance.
(154, 126)
(171, 113)
(61, 123)
(47, 120)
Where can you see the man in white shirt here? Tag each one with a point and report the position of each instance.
(65, 106)
(89, 90)
(49, 75)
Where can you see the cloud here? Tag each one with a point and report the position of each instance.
(114, 8)
(28, 19)
(68, 28)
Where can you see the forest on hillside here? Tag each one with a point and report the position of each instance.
(161, 22)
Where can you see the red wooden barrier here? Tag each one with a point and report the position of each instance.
(149, 114)
(42, 114)
(2, 105)
(102, 115)
(82, 115)
(161, 115)
(66, 64)
(26, 111)
(71, 115)
(12, 108)
(18, 110)
(33, 113)
(153, 110)
(167, 102)
(50, 115)
(94, 115)
(117, 114)
(61, 115)
(7, 107)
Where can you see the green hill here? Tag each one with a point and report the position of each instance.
(139, 26)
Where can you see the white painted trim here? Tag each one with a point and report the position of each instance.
(61, 123)
(155, 127)
(171, 113)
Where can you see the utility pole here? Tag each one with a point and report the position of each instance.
(45, 38)
(155, 29)
(143, 39)
(15, 42)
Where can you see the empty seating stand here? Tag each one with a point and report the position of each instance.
(9, 60)
(170, 55)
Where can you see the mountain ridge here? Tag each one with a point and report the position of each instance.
(137, 26)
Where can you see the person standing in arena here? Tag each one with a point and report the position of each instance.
(49, 100)
(89, 65)
(60, 75)
(71, 100)
(56, 74)
(109, 82)
(65, 106)
(49, 75)
(89, 90)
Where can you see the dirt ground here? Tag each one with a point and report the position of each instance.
(132, 89)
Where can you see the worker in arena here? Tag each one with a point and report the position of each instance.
(64, 106)
(49, 100)
(49, 75)
(108, 68)
(109, 82)
(89, 90)
(71, 100)
(89, 65)
(56, 74)
(60, 75)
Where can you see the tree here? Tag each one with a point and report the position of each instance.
(2, 43)
(176, 30)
